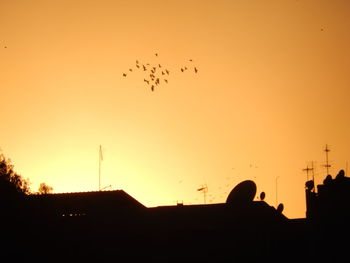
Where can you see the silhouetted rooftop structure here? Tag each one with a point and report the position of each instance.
(327, 217)
(106, 225)
(332, 199)
(83, 203)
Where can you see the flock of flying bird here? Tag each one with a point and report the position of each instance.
(156, 74)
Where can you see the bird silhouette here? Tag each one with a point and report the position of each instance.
(155, 78)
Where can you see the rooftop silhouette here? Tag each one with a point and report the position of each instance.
(110, 225)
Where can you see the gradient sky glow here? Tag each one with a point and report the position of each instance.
(272, 90)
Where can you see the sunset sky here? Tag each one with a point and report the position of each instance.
(272, 89)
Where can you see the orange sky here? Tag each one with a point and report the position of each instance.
(271, 91)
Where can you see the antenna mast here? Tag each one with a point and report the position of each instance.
(327, 165)
(204, 189)
(307, 169)
(313, 173)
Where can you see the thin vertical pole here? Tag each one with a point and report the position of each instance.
(307, 169)
(276, 191)
(313, 175)
(99, 168)
(327, 164)
(204, 189)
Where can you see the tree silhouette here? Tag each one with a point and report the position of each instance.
(45, 189)
(11, 183)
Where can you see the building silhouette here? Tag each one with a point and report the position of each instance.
(109, 226)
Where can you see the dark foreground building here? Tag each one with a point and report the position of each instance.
(111, 226)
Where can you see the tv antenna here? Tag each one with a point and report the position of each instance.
(204, 190)
(308, 169)
(313, 173)
(327, 165)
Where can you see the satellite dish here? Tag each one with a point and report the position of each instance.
(243, 193)
(340, 175)
(309, 185)
(280, 208)
(262, 196)
(328, 180)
